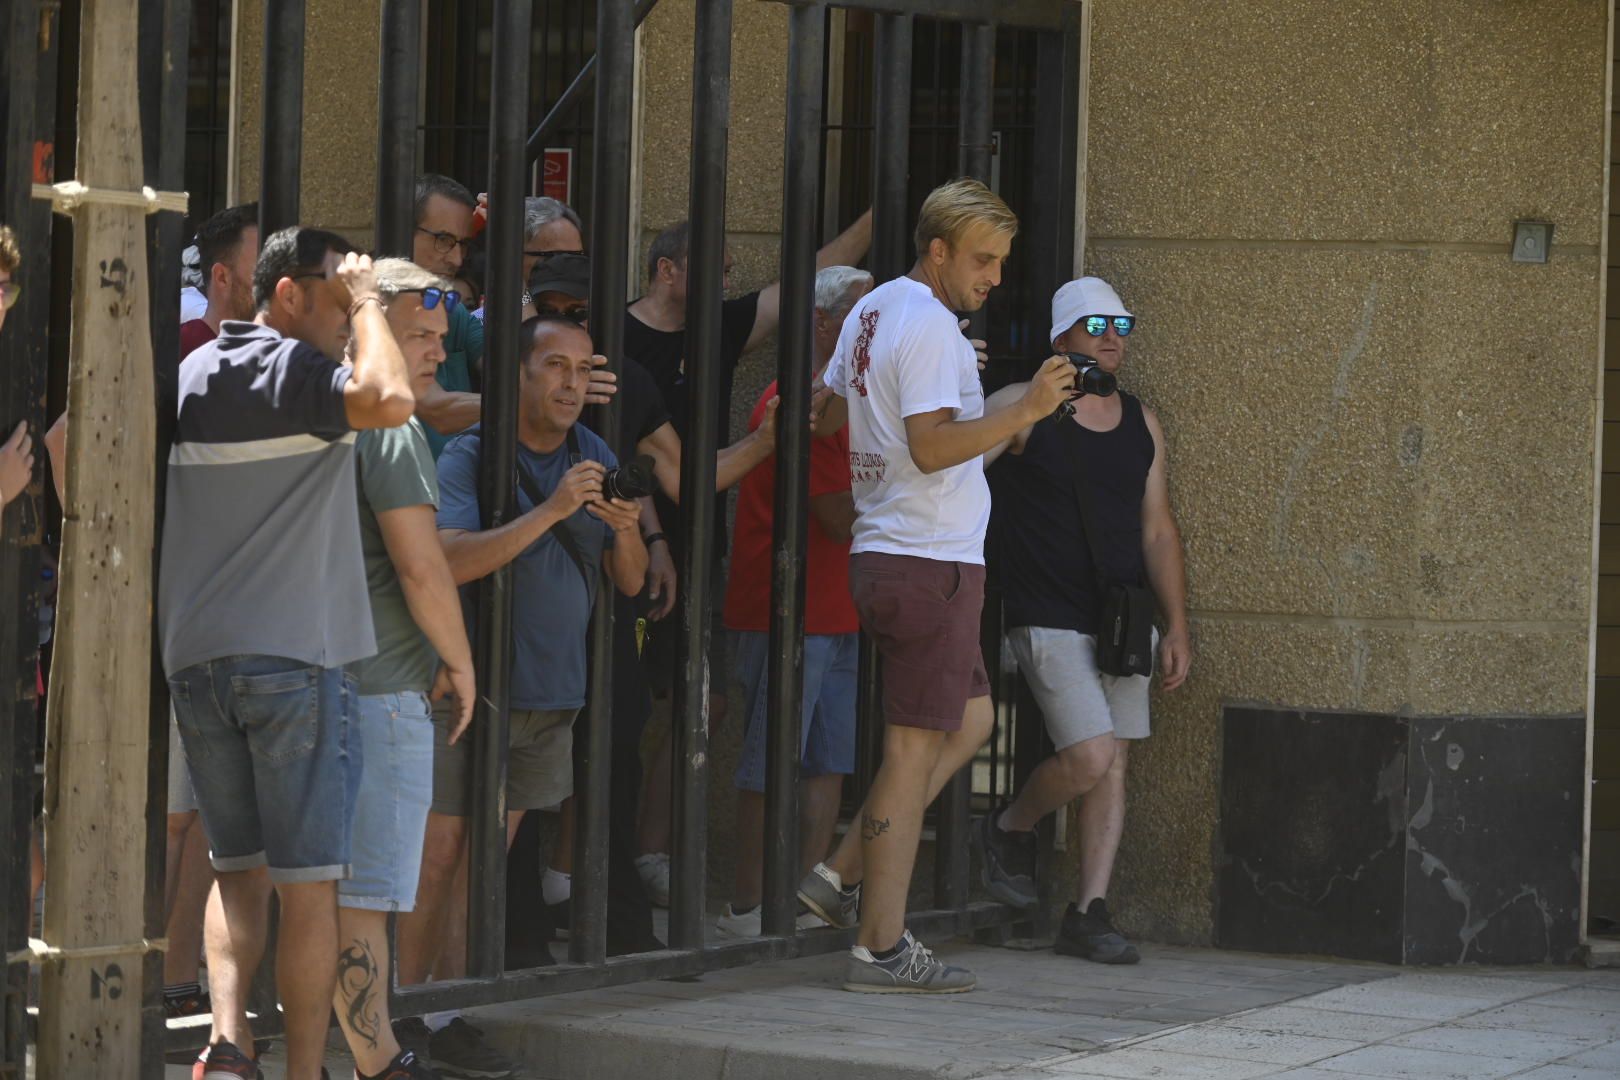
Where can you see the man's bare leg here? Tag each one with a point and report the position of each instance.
(422, 933)
(1065, 776)
(361, 1001)
(188, 880)
(818, 817)
(306, 971)
(960, 746)
(890, 825)
(1102, 821)
(235, 929)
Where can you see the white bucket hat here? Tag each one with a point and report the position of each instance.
(1077, 299)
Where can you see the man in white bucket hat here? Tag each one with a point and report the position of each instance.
(1095, 471)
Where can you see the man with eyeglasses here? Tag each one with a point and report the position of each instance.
(262, 603)
(1110, 454)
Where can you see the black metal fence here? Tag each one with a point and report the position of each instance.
(1048, 234)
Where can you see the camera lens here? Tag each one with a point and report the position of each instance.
(632, 480)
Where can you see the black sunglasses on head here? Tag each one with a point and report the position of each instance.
(549, 254)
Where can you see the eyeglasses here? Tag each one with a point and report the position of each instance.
(549, 254)
(1097, 325)
(443, 241)
(432, 295)
(579, 315)
(9, 291)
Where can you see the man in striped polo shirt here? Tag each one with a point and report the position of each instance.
(261, 602)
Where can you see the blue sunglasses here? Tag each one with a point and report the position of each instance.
(432, 296)
(1097, 325)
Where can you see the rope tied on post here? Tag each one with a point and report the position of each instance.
(69, 195)
(40, 951)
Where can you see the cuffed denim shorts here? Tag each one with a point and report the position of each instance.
(396, 788)
(827, 727)
(182, 799)
(274, 761)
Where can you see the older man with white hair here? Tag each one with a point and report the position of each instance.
(831, 631)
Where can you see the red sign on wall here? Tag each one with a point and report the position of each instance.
(554, 174)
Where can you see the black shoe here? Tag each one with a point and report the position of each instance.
(1092, 935)
(1008, 859)
(413, 1035)
(458, 1049)
(407, 1065)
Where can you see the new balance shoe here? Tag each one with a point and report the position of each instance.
(654, 871)
(223, 1061)
(1092, 935)
(823, 893)
(1008, 862)
(458, 1050)
(912, 970)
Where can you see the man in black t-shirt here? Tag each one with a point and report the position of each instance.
(1095, 473)
(655, 336)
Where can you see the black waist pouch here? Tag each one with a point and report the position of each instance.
(1125, 632)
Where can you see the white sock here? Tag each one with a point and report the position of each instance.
(440, 1020)
(556, 886)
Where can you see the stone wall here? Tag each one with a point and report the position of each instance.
(1380, 429)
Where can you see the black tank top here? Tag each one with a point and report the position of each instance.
(1041, 558)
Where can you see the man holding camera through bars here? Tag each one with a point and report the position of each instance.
(907, 382)
(1085, 541)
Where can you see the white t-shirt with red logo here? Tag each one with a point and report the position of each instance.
(901, 353)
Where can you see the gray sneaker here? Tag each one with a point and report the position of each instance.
(1008, 861)
(459, 1050)
(914, 970)
(836, 906)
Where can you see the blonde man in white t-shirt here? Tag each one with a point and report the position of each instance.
(907, 383)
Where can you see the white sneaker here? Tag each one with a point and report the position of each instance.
(654, 871)
(734, 925)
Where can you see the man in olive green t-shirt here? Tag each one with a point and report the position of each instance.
(422, 649)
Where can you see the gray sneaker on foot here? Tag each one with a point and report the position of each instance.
(1008, 861)
(459, 1050)
(835, 905)
(914, 970)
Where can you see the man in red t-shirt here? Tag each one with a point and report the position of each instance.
(228, 249)
(831, 632)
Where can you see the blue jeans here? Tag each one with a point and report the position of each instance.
(396, 787)
(274, 762)
(827, 731)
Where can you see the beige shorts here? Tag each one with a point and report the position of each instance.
(539, 761)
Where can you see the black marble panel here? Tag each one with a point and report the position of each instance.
(1494, 844)
(1415, 840)
(1313, 813)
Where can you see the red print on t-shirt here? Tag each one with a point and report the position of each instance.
(863, 350)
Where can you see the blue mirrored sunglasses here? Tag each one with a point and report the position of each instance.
(1097, 325)
(432, 296)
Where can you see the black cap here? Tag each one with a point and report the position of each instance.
(566, 272)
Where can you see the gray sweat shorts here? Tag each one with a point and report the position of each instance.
(1078, 701)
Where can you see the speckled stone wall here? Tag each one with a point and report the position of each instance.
(339, 165)
(1380, 429)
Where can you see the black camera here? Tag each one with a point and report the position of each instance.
(1089, 378)
(632, 480)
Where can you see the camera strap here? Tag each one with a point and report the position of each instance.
(564, 535)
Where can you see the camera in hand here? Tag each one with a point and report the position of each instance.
(632, 480)
(1089, 378)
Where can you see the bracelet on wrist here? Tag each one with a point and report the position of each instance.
(652, 538)
(354, 307)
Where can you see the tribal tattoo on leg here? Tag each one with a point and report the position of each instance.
(357, 982)
(872, 828)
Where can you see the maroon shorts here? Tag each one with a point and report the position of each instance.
(924, 616)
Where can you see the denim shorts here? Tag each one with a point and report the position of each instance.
(827, 730)
(274, 762)
(396, 787)
(182, 798)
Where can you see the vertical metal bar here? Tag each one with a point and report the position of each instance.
(165, 36)
(801, 189)
(711, 108)
(891, 256)
(397, 91)
(610, 228)
(486, 906)
(282, 148)
(551, 124)
(951, 821)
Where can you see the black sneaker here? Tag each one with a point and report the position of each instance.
(192, 1004)
(1091, 934)
(412, 1034)
(1008, 860)
(458, 1049)
(223, 1061)
(407, 1065)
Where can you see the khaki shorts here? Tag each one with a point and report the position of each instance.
(539, 763)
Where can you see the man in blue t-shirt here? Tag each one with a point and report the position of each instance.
(564, 531)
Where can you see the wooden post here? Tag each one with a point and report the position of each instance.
(95, 784)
